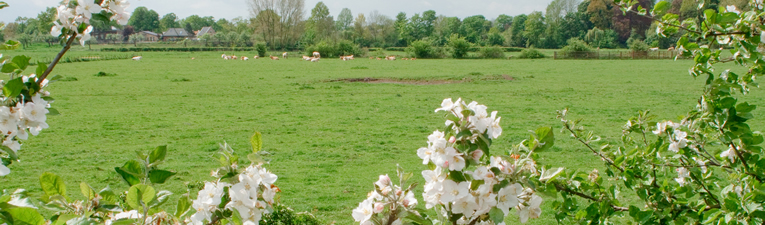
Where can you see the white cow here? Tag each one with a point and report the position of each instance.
(315, 59)
(316, 54)
(137, 58)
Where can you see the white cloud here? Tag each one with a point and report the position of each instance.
(230, 9)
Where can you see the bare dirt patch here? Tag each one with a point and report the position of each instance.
(423, 81)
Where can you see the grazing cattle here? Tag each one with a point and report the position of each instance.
(256, 57)
(274, 57)
(345, 58)
(404, 58)
(306, 58)
(315, 59)
(137, 58)
(671, 49)
(223, 56)
(378, 58)
(371, 57)
(390, 58)
(234, 57)
(413, 58)
(316, 54)
(192, 58)
(284, 55)
(654, 49)
(244, 58)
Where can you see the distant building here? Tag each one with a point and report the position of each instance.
(100, 35)
(205, 30)
(149, 36)
(176, 34)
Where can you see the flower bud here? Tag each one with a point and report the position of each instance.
(452, 139)
(476, 155)
(378, 207)
(398, 192)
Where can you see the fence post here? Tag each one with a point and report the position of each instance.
(555, 55)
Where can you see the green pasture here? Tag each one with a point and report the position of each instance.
(329, 140)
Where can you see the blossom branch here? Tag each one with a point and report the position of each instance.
(585, 196)
(578, 138)
(41, 77)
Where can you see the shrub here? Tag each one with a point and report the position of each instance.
(261, 48)
(531, 53)
(330, 50)
(576, 45)
(421, 49)
(601, 38)
(638, 45)
(459, 46)
(493, 52)
(283, 215)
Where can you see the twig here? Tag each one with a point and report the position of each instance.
(698, 181)
(608, 160)
(45, 74)
(583, 195)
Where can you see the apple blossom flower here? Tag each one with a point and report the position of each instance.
(364, 212)
(682, 173)
(4, 170)
(448, 106)
(465, 205)
(508, 197)
(730, 154)
(494, 129)
(87, 7)
(532, 210)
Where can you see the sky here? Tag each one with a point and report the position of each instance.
(230, 9)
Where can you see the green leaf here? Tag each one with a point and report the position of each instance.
(140, 195)
(9, 68)
(53, 112)
(62, 219)
(10, 45)
(25, 216)
(108, 196)
(41, 67)
(21, 61)
(87, 191)
(546, 138)
(161, 199)
(497, 215)
(52, 184)
(13, 88)
(257, 142)
(550, 174)
(125, 222)
(184, 204)
(3, 5)
(160, 176)
(158, 154)
(660, 8)
(128, 177)
(134, 167)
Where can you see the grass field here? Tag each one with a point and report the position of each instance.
(329, 140)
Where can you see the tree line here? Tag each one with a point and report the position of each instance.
(285, 24)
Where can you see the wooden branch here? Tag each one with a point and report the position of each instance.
(41, 77)
(585, 196)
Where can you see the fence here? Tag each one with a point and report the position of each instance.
(89, 58)
(660, 54)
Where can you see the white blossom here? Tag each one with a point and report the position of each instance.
(364, 212)
(508, 197)
(532, 210)
(87, 7)
(730, 154)
(4, 170)
(465, 205)
(682, 173)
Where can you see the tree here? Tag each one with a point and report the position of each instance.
(459, 46)
(135, 38)
(361, 34)
(516, 31)
(127, 31)
(170, 20)
(624, 24)
(534, 29)
(278, 22)
(400, 25)
(600, 13)
(45, 19)
(495, 37)
(197, 22)
(321, 22)
(344, 20)
(503, 22)
(473, 28)
(144, 19)
(444, 28)
(428, 23)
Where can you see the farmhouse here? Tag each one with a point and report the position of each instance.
(205, 30)
(175, 34)
(149, 36)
